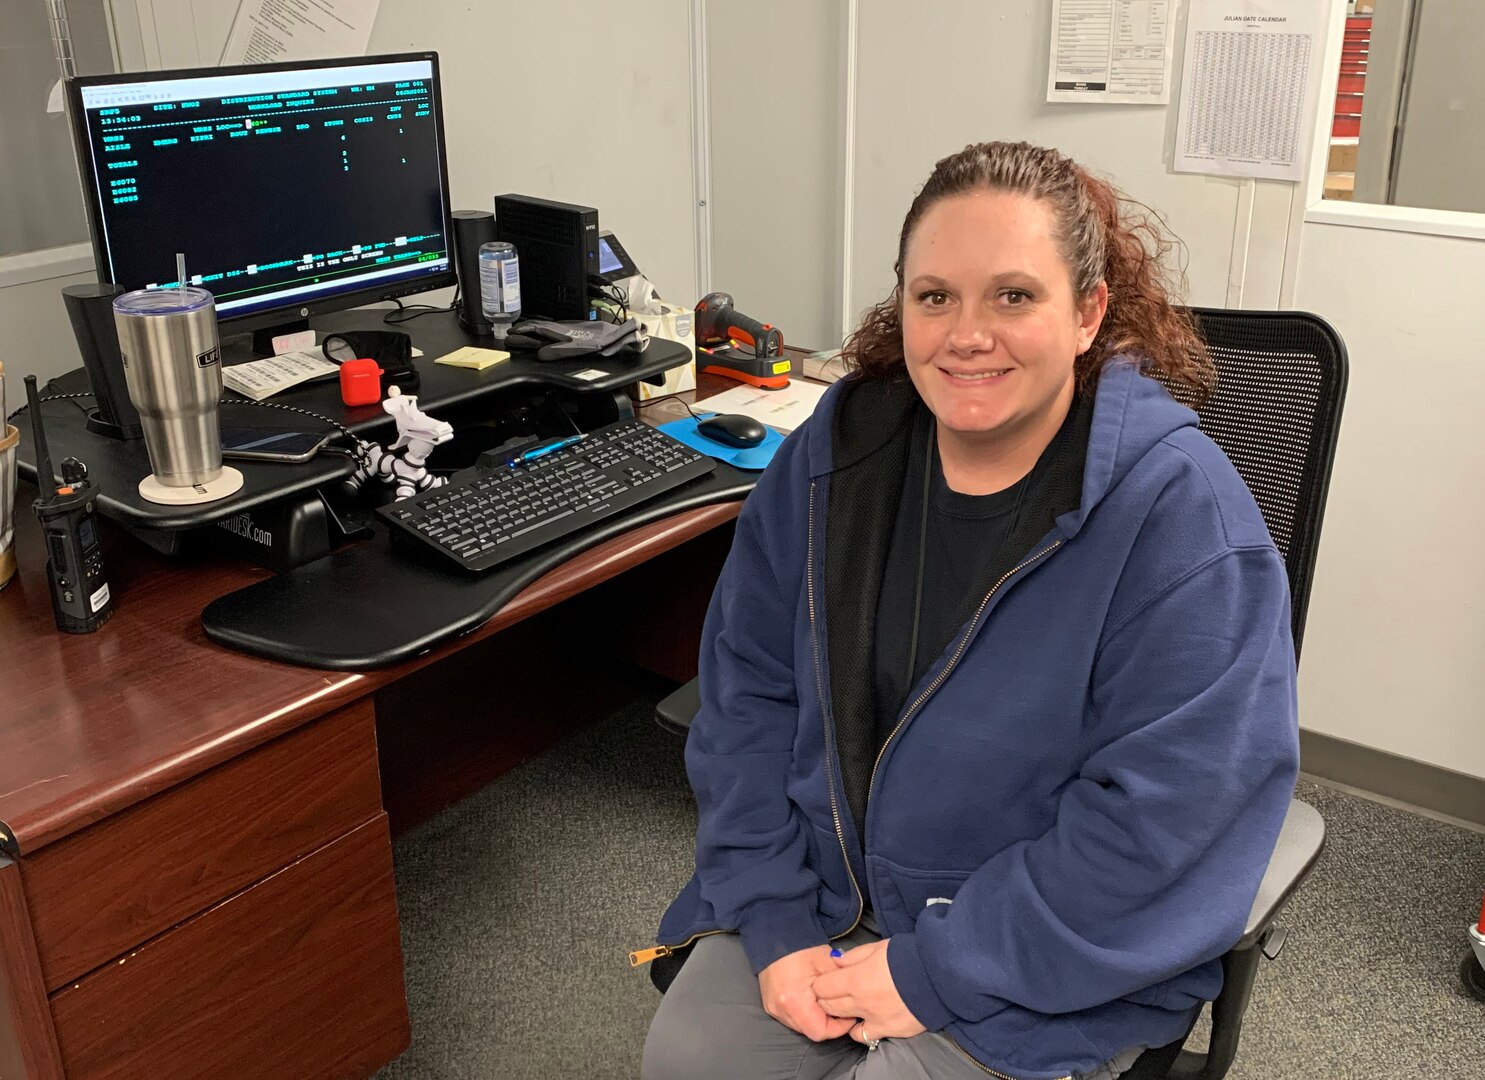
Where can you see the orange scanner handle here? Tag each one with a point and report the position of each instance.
(765, 339)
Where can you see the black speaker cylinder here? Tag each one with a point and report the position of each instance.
(90, 309)
(471, 229)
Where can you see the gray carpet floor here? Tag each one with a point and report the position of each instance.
(519, 907)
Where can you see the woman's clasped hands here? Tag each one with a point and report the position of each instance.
(824, 996)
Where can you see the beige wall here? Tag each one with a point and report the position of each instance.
(935, 77)
(776, 132)
(1395, 643)
(40, 199)
(571, 100)
(35, 336)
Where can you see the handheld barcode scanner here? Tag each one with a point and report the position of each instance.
(74, 562)
(719, 325)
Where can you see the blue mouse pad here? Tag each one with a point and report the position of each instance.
(741, 457)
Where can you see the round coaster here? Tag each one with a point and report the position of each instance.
(151, 490)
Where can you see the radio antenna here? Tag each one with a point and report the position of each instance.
(38, 435)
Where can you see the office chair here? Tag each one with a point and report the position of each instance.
(1276, 414)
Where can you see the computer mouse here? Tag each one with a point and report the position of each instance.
(732, 429)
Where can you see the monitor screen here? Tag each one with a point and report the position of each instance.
(614, 263)
(608, 262)
(290, 188)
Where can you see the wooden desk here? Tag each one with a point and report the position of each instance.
(199, 881)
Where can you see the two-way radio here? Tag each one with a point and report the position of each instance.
(81, 601)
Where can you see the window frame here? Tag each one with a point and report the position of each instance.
(1319, 210)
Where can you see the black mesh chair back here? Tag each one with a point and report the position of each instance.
(1276, 412)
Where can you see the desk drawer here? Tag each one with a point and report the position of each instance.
(98, 893)
(296, 978)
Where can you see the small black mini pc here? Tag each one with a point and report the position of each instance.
(557, 244)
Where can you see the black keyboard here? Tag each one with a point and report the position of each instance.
(486, 516)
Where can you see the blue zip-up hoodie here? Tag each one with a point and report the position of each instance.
(1068, 825)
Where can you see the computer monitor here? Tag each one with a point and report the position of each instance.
(292, 189)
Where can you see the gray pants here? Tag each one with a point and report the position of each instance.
(711, 1025)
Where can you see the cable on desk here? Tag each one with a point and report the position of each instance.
(614, 294)
(347, 432)
(354, 451)
(52, 397)
(670, 397)
(406, 313)
(357, 451)
(344, 452)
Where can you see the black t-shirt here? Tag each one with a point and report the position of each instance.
(963, 540)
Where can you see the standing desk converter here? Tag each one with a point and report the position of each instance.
(197, 872)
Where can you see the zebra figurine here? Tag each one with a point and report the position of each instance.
(403, 464)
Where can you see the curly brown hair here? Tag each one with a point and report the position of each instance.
(1104, 236)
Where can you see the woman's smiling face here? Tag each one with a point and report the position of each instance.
(990, 325)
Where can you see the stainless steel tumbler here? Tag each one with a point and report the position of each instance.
(173, 368)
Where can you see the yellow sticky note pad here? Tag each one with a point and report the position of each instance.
(473, 357)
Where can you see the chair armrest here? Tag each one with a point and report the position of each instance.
(679, 708)
(1300, 842)
(1299, 846)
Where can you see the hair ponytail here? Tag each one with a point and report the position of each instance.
(1141, 318)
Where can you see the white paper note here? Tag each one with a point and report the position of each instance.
(1111, 52)
(1249, 87)
(266, 31)
(260, 379)
(783, 410)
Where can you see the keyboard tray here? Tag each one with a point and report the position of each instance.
(369, 606)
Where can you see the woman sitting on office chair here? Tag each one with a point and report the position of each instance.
(997, 689)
